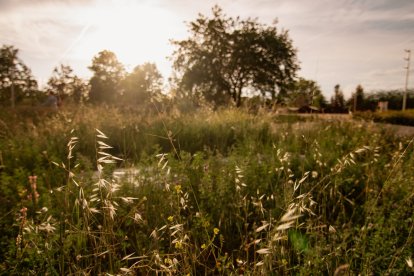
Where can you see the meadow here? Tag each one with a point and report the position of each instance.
(109, 191)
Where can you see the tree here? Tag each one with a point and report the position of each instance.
(225, 57)
(142, 84)
(338, 101)
(108, 74)
(393, 97)
(357, 101)
(16, 80)
(306, 93)
(67, 85)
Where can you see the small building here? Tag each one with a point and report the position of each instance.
(383, 106)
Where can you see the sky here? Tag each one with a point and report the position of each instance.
(346, 42)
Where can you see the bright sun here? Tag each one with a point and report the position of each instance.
(135, 31)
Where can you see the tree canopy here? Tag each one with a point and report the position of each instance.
(111, 84)
(357, 101)
(15, 77)
(306, 93)
(108, 74)
(67, 85)
(338, 101)
(142, 84)
(226, 56)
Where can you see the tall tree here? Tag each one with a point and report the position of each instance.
(16, 80)
(226, 56)
(306, 93)
(142, 84)
(108, 74)
(67, 85)
(357, 101)
(338, 100)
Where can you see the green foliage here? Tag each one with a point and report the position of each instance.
(393, 97)
(405, 118)
(225, 56)
(15, 76)
(221, 192)
(142, 84)
(67, 86)
(306, 93)
(357, 102)
(108, 73)
(338, 101)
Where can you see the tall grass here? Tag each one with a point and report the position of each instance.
(219, 193)
(390, 117)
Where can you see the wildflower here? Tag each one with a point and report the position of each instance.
(170, 218)
(203, 246)
(168, 261)
(314, 174)
(178, 245)
(177, 188)
(216, 231)
(33, 185)
(18, 240)
(23, 211)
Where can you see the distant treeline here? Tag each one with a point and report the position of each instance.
(225, 61)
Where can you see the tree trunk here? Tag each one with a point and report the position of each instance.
(238, 97)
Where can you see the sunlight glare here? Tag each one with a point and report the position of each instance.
(136, 32)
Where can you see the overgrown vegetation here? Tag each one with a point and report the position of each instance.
(391, 117)
(223, 192)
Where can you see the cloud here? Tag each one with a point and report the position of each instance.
(41, 34)
(395, 25)
(386, 5)
(10, 5)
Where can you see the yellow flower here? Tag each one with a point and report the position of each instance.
(177, 188)
(170, 218)
(216, 231)
(178, 245)
(168, 261)
(203, 246)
